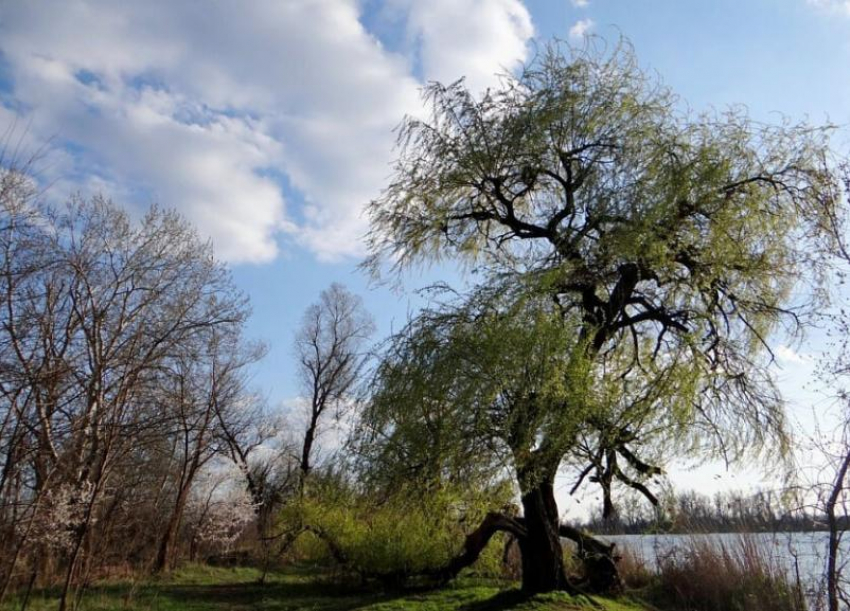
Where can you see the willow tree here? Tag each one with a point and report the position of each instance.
(670, 245)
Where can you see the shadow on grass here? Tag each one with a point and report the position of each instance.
(553, 601)
(272, 596)
(500, 602)
(289, 593)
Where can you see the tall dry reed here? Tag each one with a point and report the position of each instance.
(704, 573)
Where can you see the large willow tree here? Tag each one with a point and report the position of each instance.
(635, 261)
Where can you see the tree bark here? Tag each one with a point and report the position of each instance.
(307, 449)
(542, 554)
(538, 534)
(600, 563)
(478, 539)
(832, 576)
(166, 545)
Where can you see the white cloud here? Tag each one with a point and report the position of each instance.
(580, 3)
(786, 354)
(453, 45)
(581, 28)
(842, 6)
(209, 108)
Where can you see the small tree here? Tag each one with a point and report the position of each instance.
(832, 495)
(660, 249)
(329, 347)
(201, 387)
(251, 439)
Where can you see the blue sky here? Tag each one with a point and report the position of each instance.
(268, 123)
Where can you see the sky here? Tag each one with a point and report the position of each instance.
(269, 123)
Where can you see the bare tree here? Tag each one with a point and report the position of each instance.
(252, 439)
(329, 347)
(96, 309)
(832, 485)
(203, 384)
(835, 506)
(31, 357)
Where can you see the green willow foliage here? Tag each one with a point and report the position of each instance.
(393, 538)
(635, 261)
(461, 387)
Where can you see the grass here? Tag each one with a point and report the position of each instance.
(696, 575)
(203, 588)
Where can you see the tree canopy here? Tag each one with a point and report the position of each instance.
(635, 259)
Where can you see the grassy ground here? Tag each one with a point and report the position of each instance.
(216, 589)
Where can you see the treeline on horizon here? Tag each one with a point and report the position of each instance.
(690, 512)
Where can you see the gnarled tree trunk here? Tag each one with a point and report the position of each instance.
(542, 554)
(538, 534)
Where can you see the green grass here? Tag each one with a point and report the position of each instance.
(202, 588)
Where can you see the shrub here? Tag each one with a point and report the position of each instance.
(391, 539)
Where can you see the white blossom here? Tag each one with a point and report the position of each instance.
(59, 515)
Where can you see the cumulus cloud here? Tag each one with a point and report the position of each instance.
(580, 3)
(258, 119)
(453, 45)
(581, 28)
